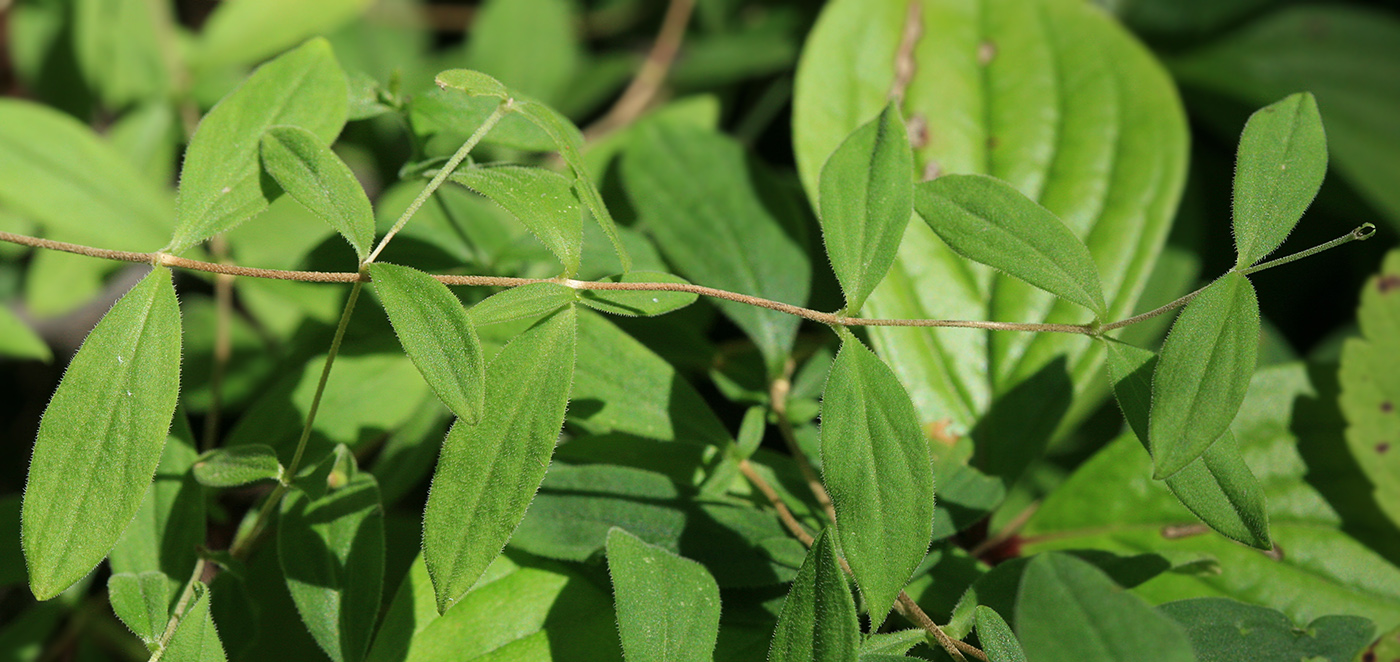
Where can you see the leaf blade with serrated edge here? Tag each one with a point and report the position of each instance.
(877, 466)
(314, 176)
(986, 220)
(488, 473)
(645, 576)
(866, 199)
(542, 200)
(101, 437)
(1281, 162)
(1203, 372)
(219, 181)
(437, 335)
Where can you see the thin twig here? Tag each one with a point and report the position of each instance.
(777, 399)
(784, 513)
(644, 86)
(1012, 528)
(904, 62)
(181, 608)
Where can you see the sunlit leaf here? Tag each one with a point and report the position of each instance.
(542, 200)
(437, 335)
(998, 642)
(142, 602)
(631, 304)
(169, 527)
(1370, 384)
(474, 83)
(1203, 372)
(645, 577)
(101, 436)
(312, 174)
(488, 473)
(1281, 163)
(237, 465)
(196, 639)
(525, 302)
(818, 622)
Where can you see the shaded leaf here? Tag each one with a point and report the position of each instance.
(1282, 160)
(866, 199)
(998, 642)
(119, 47)
(1069, 610)
(818, 622)
(1203, 372)
(988, 221)
(1224, 630)
(542, 200)
(169, 527)
(1370, 385)
(332, 553)
(531, 45)
(246, 31)
(646, 577)
(19, 341)
(892, 643)
(437, 335)
(196, 639)
(142, 602)
(101, 437)
(877, 467)
(312, 174)
(220, 185)
(237, 465)
(632, 304)
(488, 473)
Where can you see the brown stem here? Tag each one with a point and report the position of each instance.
(777, 398)
(645, 85)
(904, 62)
(784, 514)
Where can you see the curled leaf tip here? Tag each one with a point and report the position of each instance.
(1363, 232)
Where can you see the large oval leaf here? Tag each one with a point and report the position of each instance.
(1053, 98)
(818, 622)
(101, 436)
(437, 335)
(219, 182)
(1204, 371)
(1281, 163)
(645, 576)
(488, 473)
(877, 467)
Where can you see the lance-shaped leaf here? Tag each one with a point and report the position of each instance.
(436, 333)
(988, 221)
(818, 621)
(866, 194)
(169, 526)
(313, 175)
(101, 436)
(1281, 162)
(1203, 372)
(142, 602)
(998, 642)
(667, 605)
(474, 83)
(196, 639)
(1069, 610)
(641, 302)
(877, 466)
(533, 300)
(488, 472)
(1217, 487)
(237, 465)
(332, 552)
(220, 183)
(543, 200)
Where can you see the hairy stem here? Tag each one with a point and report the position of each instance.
(181, 608)
(1361, 233)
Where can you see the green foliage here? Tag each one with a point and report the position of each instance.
(544, 201)
(997, 640)
(645, 577)
(196, 638)
(1283, 156)
(142, 602)
(312, 174)
(819, 618)
(1223, 629)
(1370, 386)
(239, 465)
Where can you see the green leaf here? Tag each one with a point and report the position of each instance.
(1348, 66)
(622, 386)
(488, 473)
(59, 173)
(1281, 163)
(1203, 372)
(1218, 486)
(818, 622)
(142, 602)
(892, 643)
(101, 437)
(998, 642)
(1370, 384)
(1070, 610)
(474, 83)
(196, 639)
(169, 527)
(667, 605)
(437, 335)
(332, 553)
(632, 304)
(19, 341)
(237, 465)
(246, 31)
(866, 199)
(531, 301)
(1111, 503)
(1104, 150)
(312, 174)
(220, 185)
(1222, 629)
(532, 45)
(542, 200)
(988, 221)
(693, 191)
(119, 48)
(523, 609)
(877, 467)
